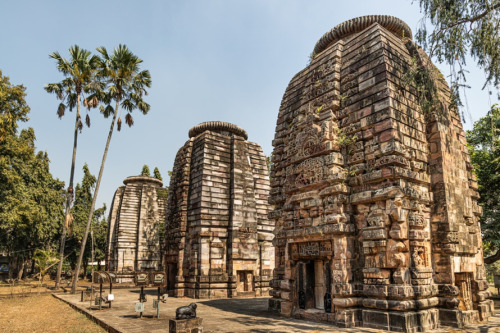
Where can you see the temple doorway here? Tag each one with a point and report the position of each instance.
(171, 274)
(311, 284)
(245, 281)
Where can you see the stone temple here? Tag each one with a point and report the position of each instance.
(218, 236)
(133, 242)
(375, 201)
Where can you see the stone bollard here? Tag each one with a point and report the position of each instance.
(193, 325)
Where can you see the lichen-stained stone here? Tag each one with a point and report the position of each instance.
(373, 195)
(133, 242)
(218, 240)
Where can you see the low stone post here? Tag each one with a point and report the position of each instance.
(193, 325)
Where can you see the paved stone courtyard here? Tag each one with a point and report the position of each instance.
(219, 315)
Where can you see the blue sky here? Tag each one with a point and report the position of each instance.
(227, 60)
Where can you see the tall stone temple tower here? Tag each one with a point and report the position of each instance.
(218, 237)
(133, 242)
(375, 200)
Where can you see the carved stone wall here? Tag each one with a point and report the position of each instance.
(218, 236)
(375, 202)
(135, 216)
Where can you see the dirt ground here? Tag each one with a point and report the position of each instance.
(42, 313)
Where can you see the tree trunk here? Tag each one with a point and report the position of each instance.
(32, 271)
(11, 266)
(21, 269)
(491, 259)
(94, 199)
(69, 197)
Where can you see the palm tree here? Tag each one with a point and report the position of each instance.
(79, 72)
(125, 85)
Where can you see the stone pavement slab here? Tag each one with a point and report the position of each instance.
(219, 315)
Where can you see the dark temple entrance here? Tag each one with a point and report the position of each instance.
(311, 284)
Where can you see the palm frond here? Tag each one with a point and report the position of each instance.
(87, 120)
(119, 124)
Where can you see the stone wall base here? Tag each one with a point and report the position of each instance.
(410, 322)
(395, 321)
(215, 293)
(274, 305)
(185, 325)
(458, 318)
(486, 309)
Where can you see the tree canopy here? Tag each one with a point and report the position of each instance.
(462, 28)
(157, 174)
(30, 198)
(145, 171)
(484, 148)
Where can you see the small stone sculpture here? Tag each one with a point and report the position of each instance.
(328, 302)
(186, 312)
(302, 299)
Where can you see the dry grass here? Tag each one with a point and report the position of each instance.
(42, 313)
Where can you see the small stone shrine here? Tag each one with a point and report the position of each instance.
(375, 200)
(133, 242)
(218, 237)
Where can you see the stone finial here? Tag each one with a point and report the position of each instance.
(352, 26)
(143, 179)
(217, 126)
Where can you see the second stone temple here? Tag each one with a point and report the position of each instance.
(218, 236)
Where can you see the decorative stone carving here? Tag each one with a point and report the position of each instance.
(358, 164)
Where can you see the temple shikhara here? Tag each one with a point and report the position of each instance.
(218, 237)
(375, 202)
(137, 211)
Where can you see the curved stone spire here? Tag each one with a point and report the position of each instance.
(217, 126)
(352, 26)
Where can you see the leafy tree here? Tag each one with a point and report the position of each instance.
(13, 107)
(125, 85)
(484, 148)
(30, 198)
(461, 28)
(157, 174)
(79, 72)
(44, 259)
(80, 213)
(145, 171)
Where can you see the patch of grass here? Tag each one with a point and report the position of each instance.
(42, 313)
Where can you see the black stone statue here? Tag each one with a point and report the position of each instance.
(328, 302)
(302, 299)
(186, 312)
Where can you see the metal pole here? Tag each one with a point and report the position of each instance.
(158, 305)
(140, 300)
(100, 295)
(110, 290)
